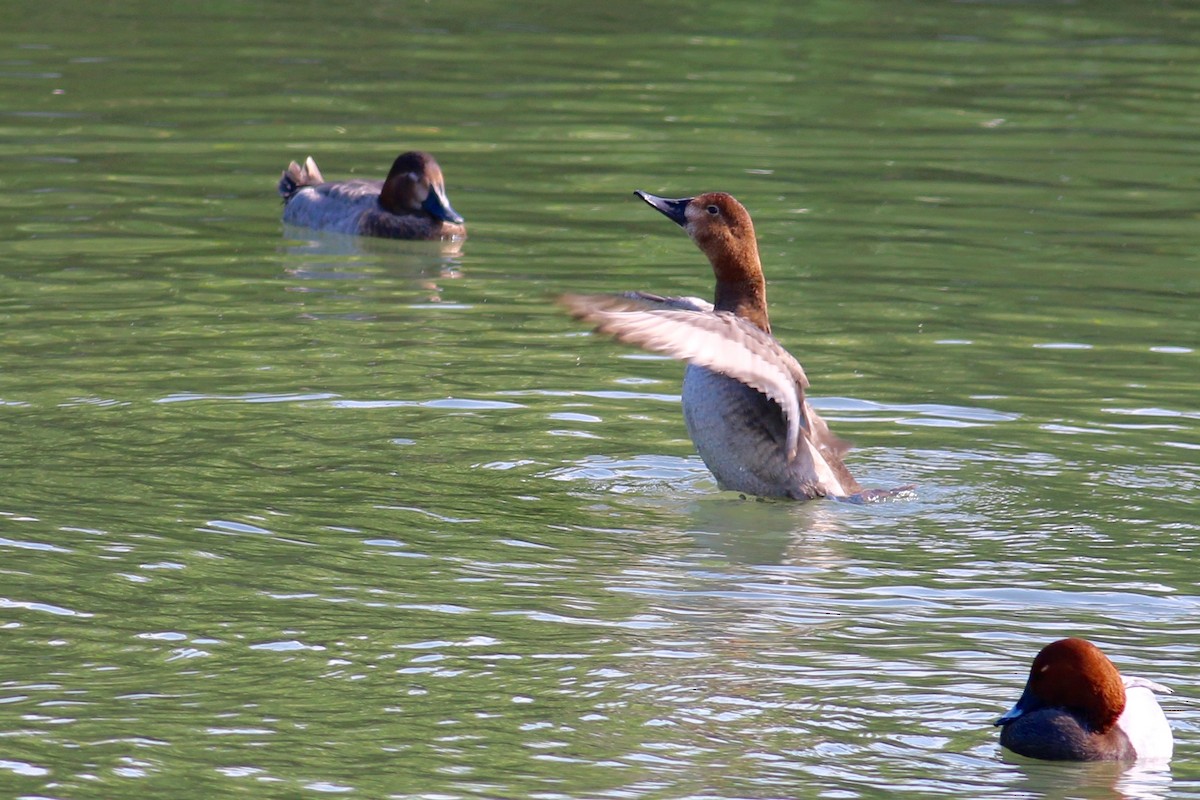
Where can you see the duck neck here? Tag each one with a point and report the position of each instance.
(742, 292)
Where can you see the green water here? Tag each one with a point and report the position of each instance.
(291, 515)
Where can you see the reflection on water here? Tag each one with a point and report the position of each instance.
(321, 256)
(305, 241)
(1140, 781)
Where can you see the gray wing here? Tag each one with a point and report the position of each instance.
(331, 206)
(719, 340)
(652, 301)
(355, 191)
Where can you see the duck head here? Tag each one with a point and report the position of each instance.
(722, 229)
(1075, 675)
(415, 183)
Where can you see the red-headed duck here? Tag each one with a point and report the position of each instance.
(410, 204)
(743, 393)
(1077, 707)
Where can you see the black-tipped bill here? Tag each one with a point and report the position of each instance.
(1026, 703)
(674, 210)
(439, 205)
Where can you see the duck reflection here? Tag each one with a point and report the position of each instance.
(321, 256)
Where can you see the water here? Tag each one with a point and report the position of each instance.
(291, 515)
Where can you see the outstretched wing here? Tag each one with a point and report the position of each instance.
(688, 329)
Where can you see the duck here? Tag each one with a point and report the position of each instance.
(410, 204)
(743, 394)
(1077, 707)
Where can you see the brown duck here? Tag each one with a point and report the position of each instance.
(743, 393)
(410, 204)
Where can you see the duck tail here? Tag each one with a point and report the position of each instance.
(296, 177)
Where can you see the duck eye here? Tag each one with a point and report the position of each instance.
(713, 210)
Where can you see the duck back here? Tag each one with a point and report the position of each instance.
(336, 207)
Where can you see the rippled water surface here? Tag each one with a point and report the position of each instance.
(290, 515)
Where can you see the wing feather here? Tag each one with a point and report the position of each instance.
(721, 341)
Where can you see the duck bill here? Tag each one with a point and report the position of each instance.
(1020, 707)
(439, 205)
(674, 210)
(1008, 716)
